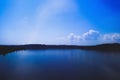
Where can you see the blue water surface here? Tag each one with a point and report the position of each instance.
(60, 65)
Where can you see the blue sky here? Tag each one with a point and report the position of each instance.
(59, 21)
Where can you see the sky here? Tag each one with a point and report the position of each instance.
(77, 22)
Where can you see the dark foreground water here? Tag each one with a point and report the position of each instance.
(60, 65)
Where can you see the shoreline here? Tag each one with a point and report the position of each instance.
(112, 47)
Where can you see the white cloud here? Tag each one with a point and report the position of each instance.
(91, 35)
(116, 37)
(112, 37)
(73, 36)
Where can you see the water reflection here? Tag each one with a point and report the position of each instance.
(59, 65)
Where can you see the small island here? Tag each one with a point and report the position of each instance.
(113, 47)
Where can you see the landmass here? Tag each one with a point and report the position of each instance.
(111, 47)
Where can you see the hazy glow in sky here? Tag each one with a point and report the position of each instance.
(59, 21)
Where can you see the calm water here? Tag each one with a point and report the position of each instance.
(60, 65)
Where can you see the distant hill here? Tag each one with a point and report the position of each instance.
(114, 47)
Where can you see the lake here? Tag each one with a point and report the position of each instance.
(60, 65)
